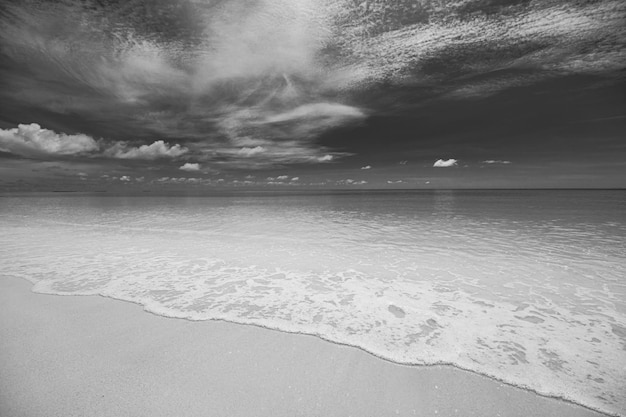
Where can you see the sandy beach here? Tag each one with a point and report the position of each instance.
(93, 356)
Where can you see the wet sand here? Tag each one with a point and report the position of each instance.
(93, 356)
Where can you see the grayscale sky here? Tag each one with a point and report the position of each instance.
(201, 95)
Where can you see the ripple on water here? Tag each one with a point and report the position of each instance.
(522, 305)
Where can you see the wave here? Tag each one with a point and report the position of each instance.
(154, 308)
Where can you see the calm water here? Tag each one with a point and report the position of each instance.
(525, 286)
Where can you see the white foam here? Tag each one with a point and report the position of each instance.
(546, 311)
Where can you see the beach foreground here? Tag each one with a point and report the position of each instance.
(93, 356)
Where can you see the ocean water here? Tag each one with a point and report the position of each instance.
(528, 287)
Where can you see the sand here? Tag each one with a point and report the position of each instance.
(93, 356)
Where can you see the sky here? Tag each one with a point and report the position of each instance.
(203, 95)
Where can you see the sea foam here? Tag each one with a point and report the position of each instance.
(535, 302)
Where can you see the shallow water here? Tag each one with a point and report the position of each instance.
(525, 286)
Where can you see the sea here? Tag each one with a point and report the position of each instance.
(524, 286)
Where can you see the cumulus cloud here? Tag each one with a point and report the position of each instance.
(493, 161)
(282, 177)
(156, 150)
(367, 167)
(325, 158)
(125, 178)
(32, 140)
(440, 163)
(295, 179)
(245, 151)
(190, 167)
(186, 180)
(350, 181)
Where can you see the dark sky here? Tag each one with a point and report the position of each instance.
(200, 95)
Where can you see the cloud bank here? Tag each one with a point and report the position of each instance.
(156, 150)
(32, 140)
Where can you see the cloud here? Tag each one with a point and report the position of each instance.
(281, 133)
(277, 73)
(247, 152)
(32, 140)
(328, 114)
(350, 181)
(282, 177)
(476, 48)
(403, 162)
(125, 178)
(492, 161)
(254, 72)
(440, 163)
(295, 179)
(190, 167)
(156, 150)
(367, 167)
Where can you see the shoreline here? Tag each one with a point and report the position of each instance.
(310, 385)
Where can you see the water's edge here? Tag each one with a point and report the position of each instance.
(145, 308)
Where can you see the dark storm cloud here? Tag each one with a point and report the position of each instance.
(254, 84)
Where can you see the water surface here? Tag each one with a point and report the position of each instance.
(526, 286)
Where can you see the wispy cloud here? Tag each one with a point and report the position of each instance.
(494, 161)
(251, 151)
(225, 74)
(255, 84)
(542, 37)
(367, 167)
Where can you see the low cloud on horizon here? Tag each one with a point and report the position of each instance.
(190, 167)
(441, 163)
(31, 140)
